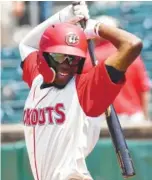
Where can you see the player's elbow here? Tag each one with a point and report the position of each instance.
(132, 50)
(134, 46)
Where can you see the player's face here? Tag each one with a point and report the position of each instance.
(66, 68)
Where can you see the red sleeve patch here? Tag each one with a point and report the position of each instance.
(96, 91)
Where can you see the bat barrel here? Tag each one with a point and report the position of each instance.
(119, 143)
(126, 162)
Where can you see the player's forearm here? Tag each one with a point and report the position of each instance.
(33, 38)
(128, 45)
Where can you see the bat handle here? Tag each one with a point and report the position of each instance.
(83, 23)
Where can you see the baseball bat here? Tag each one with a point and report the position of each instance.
(115, 129)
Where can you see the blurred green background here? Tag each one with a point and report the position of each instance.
(102, 162)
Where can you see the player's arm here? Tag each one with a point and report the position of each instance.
(97, 89)
(128, 46)
(30, 44)
(32, 39)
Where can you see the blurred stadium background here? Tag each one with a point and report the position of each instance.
(135, 17)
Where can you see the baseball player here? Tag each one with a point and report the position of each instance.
(62, 111)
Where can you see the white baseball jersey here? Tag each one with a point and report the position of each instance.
(62, 126)
(58, 133)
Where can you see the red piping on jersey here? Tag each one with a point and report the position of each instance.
(34, 143)
(35, 153)
(34, 92)
(34, 133)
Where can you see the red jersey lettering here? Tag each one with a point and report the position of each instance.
(59, 111)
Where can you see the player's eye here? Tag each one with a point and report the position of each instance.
(60, 58)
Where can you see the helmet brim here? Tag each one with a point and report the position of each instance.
(70, 50)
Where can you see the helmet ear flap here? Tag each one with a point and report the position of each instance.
(47, 72)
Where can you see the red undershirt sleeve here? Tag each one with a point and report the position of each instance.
(96, 91)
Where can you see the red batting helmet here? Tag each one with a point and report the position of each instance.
(64, 38)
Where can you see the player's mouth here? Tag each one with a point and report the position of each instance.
(63, 74)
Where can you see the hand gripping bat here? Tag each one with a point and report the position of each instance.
(115, 130)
